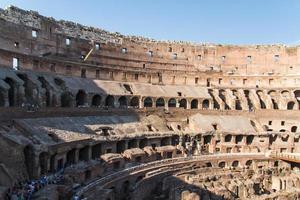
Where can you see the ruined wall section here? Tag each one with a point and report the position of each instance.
(139, 59)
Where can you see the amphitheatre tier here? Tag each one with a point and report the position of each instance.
(91, 114)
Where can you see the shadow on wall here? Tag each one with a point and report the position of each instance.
(37, 89)
(32, 91)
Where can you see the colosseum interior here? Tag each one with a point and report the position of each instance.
(90, 114)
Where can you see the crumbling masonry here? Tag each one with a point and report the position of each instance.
(135, 118)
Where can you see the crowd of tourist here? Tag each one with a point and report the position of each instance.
(25, 190)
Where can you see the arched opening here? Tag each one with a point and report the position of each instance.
(205, 104)
(123, 102)
(183, 103)
(294, 129)
(222, 164)
(235, 163)
(66, 99)
(290, 105)
(148, 102)
(249, 139)
(81, 98)
(134, 102)
(172, 103)
(96, 100)
(11, 91)
(238, 139)
(194, 104)
(228, 138)
(160, 102)
(207, 139)
(110, 101)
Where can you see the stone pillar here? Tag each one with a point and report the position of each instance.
(177, 103)
(153, 102)
(166, 104)
(188, 104)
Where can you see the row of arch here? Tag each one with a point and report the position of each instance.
(246, 99)
(31, 93)
(129, 101)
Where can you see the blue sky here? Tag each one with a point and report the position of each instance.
(215, 21)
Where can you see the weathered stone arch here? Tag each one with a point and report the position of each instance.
(96, 100)
(290, 105)
(172, 103)
(183, 103)
(160, 102)
(248, 163)
(294, 129)
(134, 102)
(148, 102)
(228, 138)
(123, 102)
(235, 163)
(194, 104)
(110, 101)
(249, 139)
(205, 104)
(81, 98)
(222, 164)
